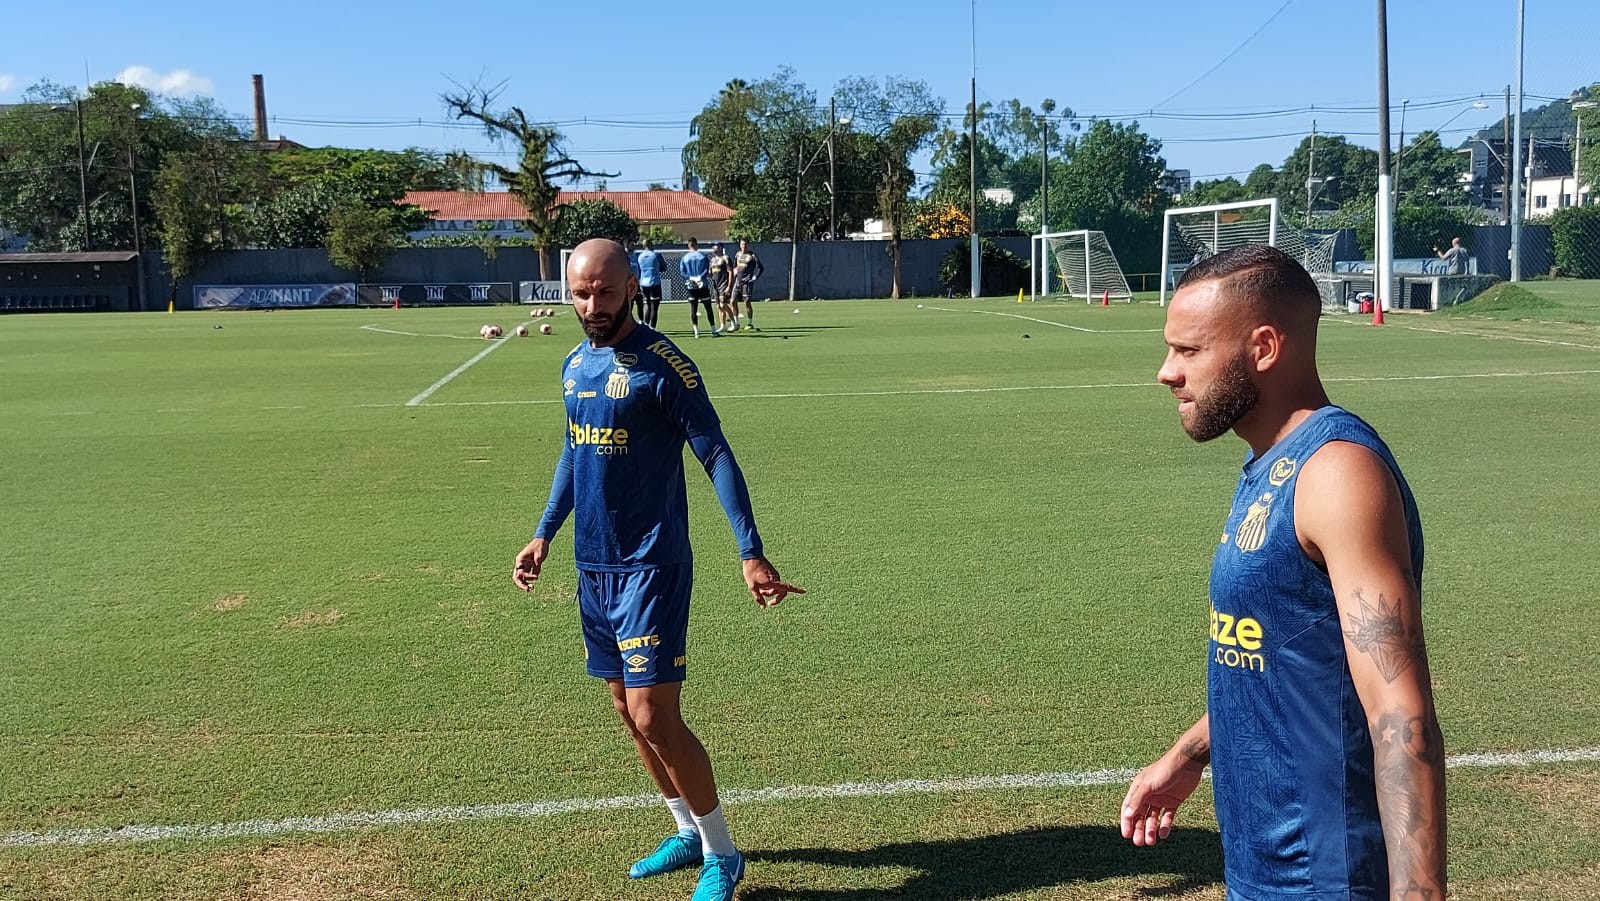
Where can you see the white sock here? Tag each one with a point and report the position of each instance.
(697, 329)
(714, 838)
(681, 813)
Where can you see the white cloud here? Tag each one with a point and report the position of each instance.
(6, 81)
(177, 83)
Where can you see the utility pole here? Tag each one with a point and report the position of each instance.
(133, 196)
(1384, 280)
(833, 184)
(1505, 164)
(1516, 160)
(972, 142)
(87, 243)
(1311, 171)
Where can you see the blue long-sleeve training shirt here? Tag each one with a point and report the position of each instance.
(630, 410)
(693, 267)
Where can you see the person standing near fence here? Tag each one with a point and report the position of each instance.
(1455, 259)
(650, 264)
(695, 270)
(746, 269)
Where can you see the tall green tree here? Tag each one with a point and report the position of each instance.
(894, 121)
(1430, 173)
(39, 166)
(584, 219)
(361, 237)
(542, 162)
(758, 146)
(1113, 182)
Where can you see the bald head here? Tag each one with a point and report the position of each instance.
(597, 257)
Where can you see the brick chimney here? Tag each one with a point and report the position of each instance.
(261, 108)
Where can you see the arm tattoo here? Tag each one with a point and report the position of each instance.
(1380, 632)
(1408, 764)
(1197, 750)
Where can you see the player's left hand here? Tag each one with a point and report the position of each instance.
(761, 577)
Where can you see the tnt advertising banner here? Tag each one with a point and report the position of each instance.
(239, 297)
(436, 294)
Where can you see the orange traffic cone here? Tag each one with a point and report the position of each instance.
(1377, 312)
(1105, 299)
(397, 301)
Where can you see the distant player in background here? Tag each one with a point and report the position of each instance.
(694, 268)
(1326, 754)
(637, 300)
(650, 264)
(633, 400)
(746, 269)
(721, 274)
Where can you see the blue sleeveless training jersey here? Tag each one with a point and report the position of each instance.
(630, 410)
(1290, 749)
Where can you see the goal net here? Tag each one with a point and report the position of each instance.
(1077, 264)
(1190, 234)
(672, 285)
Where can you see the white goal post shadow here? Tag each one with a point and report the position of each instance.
(1081, 261)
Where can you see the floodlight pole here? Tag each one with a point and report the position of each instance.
(1384, 276)
(1516, 160)
(972, 230)
(833, 184)
(133, 197)
(87, 243)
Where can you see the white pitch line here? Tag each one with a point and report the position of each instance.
(1490, 335)
(390, 331)
(1076, 328)
(428, 392)
(1001, 389)
(345, 822)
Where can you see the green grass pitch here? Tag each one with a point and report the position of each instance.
(244, 580)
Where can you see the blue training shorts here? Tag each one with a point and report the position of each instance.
(636, 624)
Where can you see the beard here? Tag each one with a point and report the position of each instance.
(1229, 399)
(601, 328)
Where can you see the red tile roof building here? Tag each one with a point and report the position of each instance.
(685, 212)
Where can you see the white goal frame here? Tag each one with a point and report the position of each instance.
(1087, 242)
(1314, 252)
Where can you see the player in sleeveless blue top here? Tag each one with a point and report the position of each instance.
(1320, 728)
(633, 400)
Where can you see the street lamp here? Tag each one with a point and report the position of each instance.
(800, 170)
(1476, 104)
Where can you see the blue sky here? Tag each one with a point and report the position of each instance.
(369, 75)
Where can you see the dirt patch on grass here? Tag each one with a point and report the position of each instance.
(318, 873)
(1576, 886)
(229, 602)
(306, 619)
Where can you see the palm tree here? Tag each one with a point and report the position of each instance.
(541, 163)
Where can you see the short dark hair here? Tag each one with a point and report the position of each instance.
(692, 243)
(1265, 276)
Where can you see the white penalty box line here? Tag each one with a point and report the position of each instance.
(428, 391)
(346, 822)
(1001, 389)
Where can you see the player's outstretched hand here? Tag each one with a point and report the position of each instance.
(1153, 798)
(765, 586)
(526, 570)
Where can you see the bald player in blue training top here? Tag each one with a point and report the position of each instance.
(633, 400)
(1326, 752)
